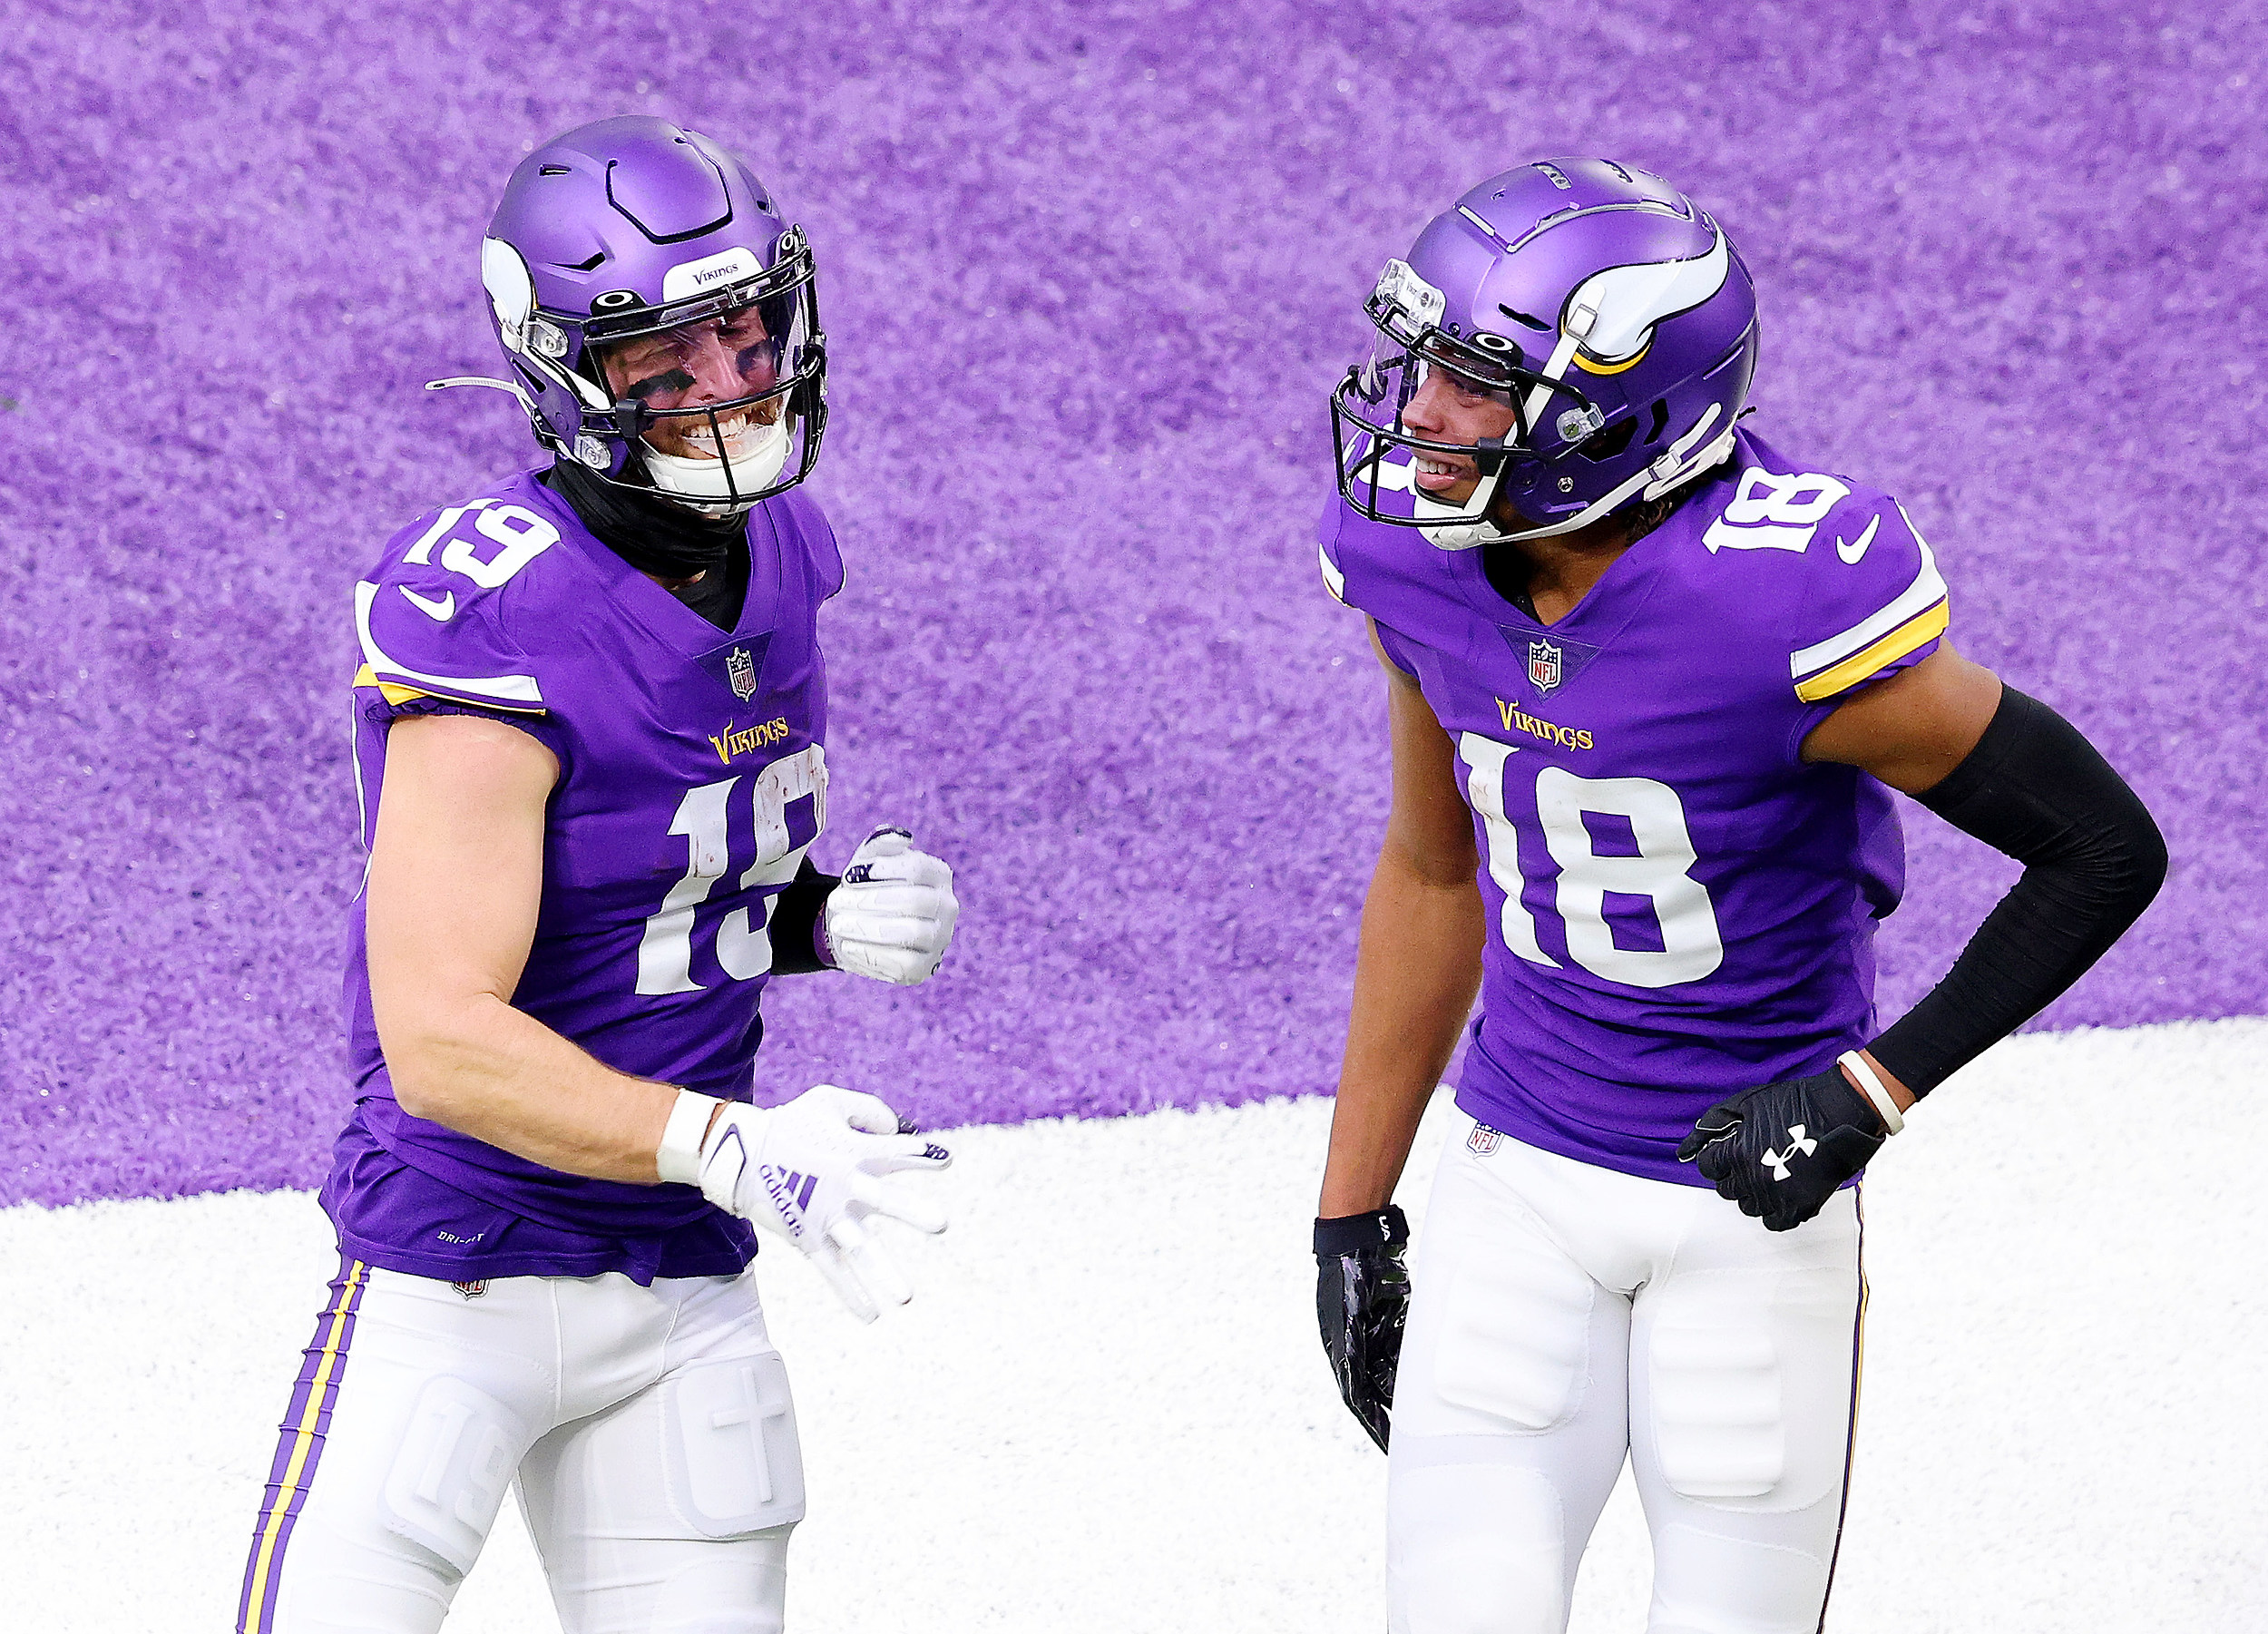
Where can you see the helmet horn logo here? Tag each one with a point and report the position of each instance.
(1544, 669)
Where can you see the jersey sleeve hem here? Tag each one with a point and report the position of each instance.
(396, 696)
(1869, 661)
(515, 692)
(1917, 614)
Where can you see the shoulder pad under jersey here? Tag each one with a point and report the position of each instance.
(1857, 589)
(800, 520)
(431, 615)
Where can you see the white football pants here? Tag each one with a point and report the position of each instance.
(650, 1429)
(1563, 1316)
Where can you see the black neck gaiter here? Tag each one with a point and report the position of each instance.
(653, 535)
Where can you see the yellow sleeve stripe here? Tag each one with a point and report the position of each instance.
(1333, 580)
(1859, 666)
(366, 676)
(1928, 587)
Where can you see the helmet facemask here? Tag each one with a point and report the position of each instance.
(710, 400)
(1369, 410)
(715, 399)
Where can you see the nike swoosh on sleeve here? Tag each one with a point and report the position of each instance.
(1850, 553)
(442, 611)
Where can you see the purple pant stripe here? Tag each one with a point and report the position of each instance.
(299, 1449)
(1850, 1441)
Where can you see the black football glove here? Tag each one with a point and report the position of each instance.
(1781, 1151)
(1362, 1296)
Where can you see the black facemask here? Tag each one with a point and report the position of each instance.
(653, 535)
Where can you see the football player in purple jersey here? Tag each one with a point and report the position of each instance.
(590, 730)
(1650, 682)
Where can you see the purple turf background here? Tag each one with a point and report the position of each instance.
(1090, 270)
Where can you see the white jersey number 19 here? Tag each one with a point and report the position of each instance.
(1660, 871)
(744, 947)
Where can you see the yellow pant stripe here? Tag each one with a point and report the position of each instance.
(303, 1447)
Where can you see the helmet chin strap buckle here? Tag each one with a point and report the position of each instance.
(1471, 526)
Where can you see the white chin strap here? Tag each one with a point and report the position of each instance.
(702, 483)
(1462, 527)
(1671, 472)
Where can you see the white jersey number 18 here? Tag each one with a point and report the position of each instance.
(1660, 871)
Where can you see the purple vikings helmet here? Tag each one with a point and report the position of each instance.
(660, 320)
(1615, 319)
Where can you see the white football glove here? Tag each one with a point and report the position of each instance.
(810, 1171)
(892, 916)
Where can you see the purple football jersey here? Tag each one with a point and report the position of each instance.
(1679, 908)
(693, 778)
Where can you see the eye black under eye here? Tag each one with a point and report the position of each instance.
(677, 380)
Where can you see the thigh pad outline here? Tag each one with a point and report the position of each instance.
(732, 1459)
(1515, 1341)
(458, 1453)
(1748, 1380)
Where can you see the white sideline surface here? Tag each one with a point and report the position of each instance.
(1107, 1409)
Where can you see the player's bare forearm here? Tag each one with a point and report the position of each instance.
(456, 873)
(1415, 974)
(498, 1074)
(1419, 963)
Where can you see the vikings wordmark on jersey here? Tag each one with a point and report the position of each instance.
(1680, 907)
(693, 778)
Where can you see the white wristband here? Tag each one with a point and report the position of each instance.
(1858, 1068)
(679, 1156)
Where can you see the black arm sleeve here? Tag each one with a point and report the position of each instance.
(796, 922)
(2093, 859)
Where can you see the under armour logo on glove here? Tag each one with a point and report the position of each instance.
(1797, 1142)
(1784, 1186)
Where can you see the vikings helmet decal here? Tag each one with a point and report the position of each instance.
(658, 318)
(1612, 318)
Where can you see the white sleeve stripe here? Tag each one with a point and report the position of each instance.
(1926, 589)
(1333, 580)
(511, 689)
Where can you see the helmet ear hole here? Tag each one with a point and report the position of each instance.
(1660, 423)
(1606, 444)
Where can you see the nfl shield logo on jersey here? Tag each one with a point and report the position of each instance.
(740, 670)
(1543, 666)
